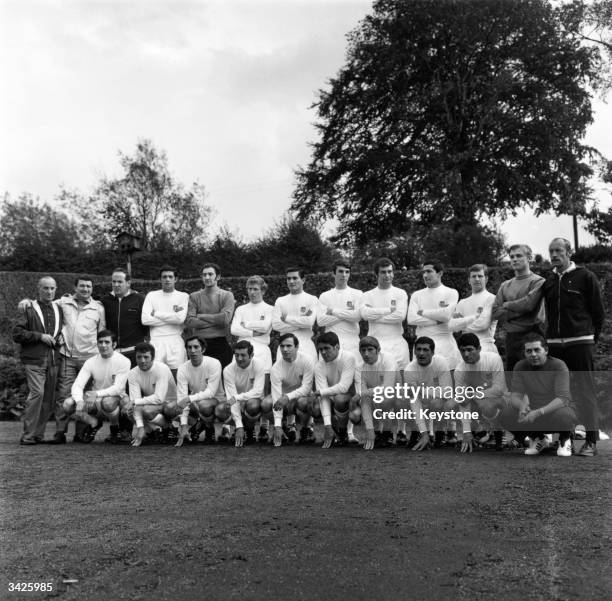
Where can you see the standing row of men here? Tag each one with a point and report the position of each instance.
(58, 338)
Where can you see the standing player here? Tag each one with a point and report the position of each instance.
(575, 312)
(108, 372)
(244, 380)
(123, 312)
(296, 312)
(151, 386)
(334, 376)
(198, 391)
(210, 314)
(518, 304)
(291, 378)
(384, 308)
(376, 371)
(164, 311)
(340, 312)
(430, 310)
(473, 314)
(38, 331)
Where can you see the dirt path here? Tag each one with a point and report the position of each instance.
(302, 523)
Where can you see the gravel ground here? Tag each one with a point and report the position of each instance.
(297, 523)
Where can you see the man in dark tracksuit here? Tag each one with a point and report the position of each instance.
(123, 310)
(38, 331)
(575, 316)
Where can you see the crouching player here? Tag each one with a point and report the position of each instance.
(109, 371)
(541, 400)
(198, 392)
(482, 373)
(244, 379)
(429, 377)
(291, 379)
(377, 371)
(334, 379)
(151, 387)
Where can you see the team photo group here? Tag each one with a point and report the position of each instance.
(178, 368)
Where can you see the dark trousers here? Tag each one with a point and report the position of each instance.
(579, 360)
(219, 349)
(563, 421)
(69, 368)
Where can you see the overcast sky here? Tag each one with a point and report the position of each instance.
(224, 87)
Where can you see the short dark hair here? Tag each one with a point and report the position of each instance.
(383, 262)
(244, 344)
(341, 263)
(144, 347)
(298, 269)
(168, 268)
(128, 277)
(200, 339)
(478, 267)
(437, 265)
(83, 277)
(212, 266)
(328, 338)
(296, 342)
(426, 340)
(106, 334)
(535, 337)
(468, 339)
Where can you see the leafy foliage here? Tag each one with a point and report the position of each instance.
(447, 110)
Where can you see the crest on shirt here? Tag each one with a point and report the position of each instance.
(443, 304)
(349, 305)
(262, 317)
(302, 310)
(393, 302)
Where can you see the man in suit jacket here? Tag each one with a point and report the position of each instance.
(38, 331)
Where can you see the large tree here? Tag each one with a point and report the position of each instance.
(149, 202)
(447, 110)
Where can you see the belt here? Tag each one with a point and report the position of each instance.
(127, 349)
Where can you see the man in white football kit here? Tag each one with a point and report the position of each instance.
(428, 373)
(198, 391)
(151, 385)
(473, 314)
(384, 308)
(482, 372)
(430, 310)
(164, 311)
(334, 378)
(244, 379)
(340, 312)
(291, 378)
(109, 372)
(376, 372)
(296, 313)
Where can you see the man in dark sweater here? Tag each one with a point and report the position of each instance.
(210, 314)
(38, 331)
(575, 316)
(541, 400)
(123, 309)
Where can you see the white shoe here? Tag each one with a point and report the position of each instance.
(536, 446)
(603, 435)
(580, 432)
(565, 449)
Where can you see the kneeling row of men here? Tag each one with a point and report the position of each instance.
(337, 388)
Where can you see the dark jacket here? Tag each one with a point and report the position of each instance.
(574, 306)
(28, 331)
(124, 317)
